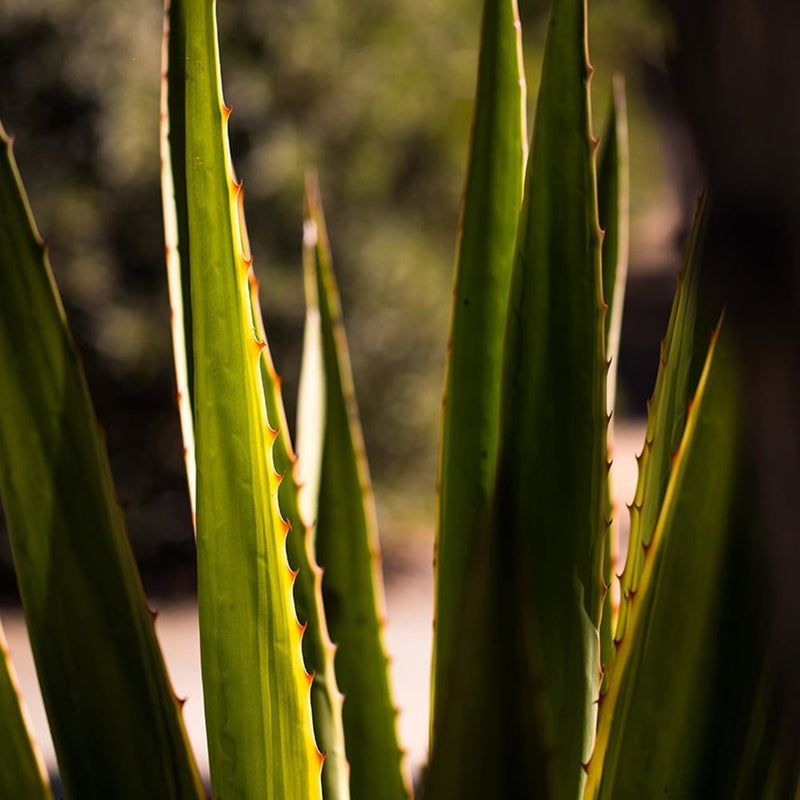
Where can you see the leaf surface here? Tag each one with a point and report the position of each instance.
(692, 707)
(550, 507)
(664, 665)
(257, 692)
(298, 498)
(347, 547)
(172, 139)
(116, 725)
(683, 354)
(470, 681)
(613, 210)
(484, 257)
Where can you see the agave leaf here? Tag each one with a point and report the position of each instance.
(613, 210)
(691, 707)
(551, 493)
(613, 200)
(347, 547)
(115, 722)
(469, 689)
(23, 773)
(318, 651)
(257, 691)
(468, 458)
(172, 135)
(664, 668)
(683, 353)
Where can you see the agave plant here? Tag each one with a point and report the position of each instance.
(542, 685)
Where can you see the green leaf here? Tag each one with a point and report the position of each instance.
(326, 699)
(551, 492)
(683, 353)
(115, 722)
(652, 727)
(258, 712)
(172, 135)
(613, 210)
(347, 548)
(613, 200)
(468, 459)
(297, 499)
(23, 773)
(692, 703)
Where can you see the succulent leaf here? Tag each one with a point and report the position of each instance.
(551, 493)
(257, 692)
(468, 456)
(664, 666)
(683, 352)
(347, 546)
(172, 135)
(613, 210)
(85, 609)
(318, 650)
(613, 201)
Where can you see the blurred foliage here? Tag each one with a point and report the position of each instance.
(377, 94)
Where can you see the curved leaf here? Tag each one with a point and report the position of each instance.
(172, 136)
(613, 203)
(683, 353)
(613, 211)
(348, 550)
(258, 712)
(468, 457)
(298, 500)
(664, 666)
(115, 722)
(550, 512)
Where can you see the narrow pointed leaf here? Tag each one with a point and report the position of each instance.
(172, 135)
(258, 711)
(692, 707)
(468, 458)
(613, 200)
(654, 719)
(683, 353)
(347, 549)
(23, 773)
(318, 650)
(613, 211)
(115, 722)
(551, 492)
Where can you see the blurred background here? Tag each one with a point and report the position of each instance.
(377, 95)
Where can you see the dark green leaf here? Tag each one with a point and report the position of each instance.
(258, 714)
(613, 210)
(484, 259)
(550, 513)
(347, 549)
(116, 725)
